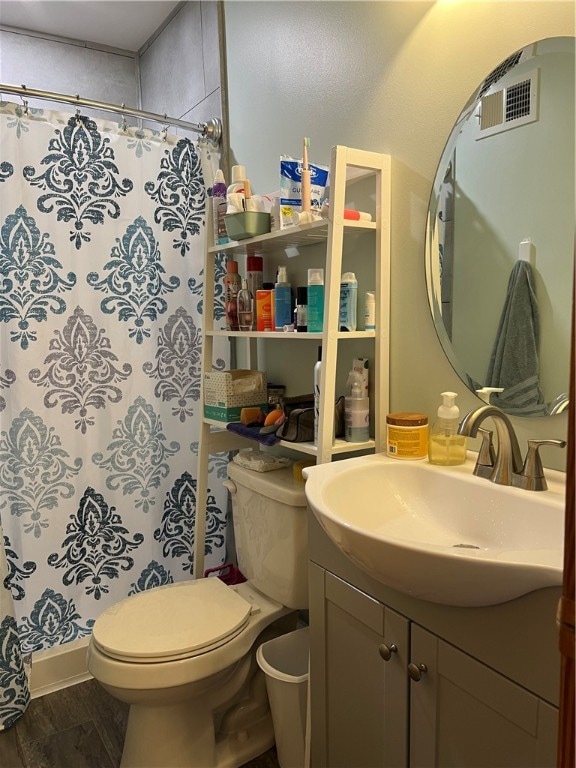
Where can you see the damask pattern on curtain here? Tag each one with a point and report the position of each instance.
(101, 250)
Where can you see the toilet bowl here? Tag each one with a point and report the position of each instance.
(183, 656)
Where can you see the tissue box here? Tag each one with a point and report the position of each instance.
(239, 226)
(227, 392)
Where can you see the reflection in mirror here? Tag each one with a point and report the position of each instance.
(500, 235)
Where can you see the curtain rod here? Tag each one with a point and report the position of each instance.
(211, 129)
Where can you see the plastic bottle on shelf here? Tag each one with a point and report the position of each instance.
(445, 446)
(370, 311)
(235, 191)
(254, 273)
(317, 373)
(232, 285)
(301, 310)
(315, 300)
(348, 302)
(356, 411)
(265, 308)
(282, 300)
(245, 307)
(219, 209)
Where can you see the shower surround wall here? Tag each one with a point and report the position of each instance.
(190, 91)
(177, 73)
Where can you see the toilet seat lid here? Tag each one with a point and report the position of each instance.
(172, 622)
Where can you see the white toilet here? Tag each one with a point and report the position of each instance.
(183, 655)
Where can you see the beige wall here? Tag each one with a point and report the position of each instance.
(385, 76)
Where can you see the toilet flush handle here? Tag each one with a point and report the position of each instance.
(231, 485)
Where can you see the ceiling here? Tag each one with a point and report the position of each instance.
(124, 24)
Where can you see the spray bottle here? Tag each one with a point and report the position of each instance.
(445, 446)
(356, 410)
(282, 300)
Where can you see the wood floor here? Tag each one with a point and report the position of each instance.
(79, 727)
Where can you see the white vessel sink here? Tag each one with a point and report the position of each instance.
(441, 533)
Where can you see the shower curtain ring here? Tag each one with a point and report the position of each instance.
(25, 105)
(164, 131)
(78, 121)
(123, 123)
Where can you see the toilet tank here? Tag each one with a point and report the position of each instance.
(271, 531)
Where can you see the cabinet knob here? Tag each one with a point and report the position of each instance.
(415, 671)
(386, 651)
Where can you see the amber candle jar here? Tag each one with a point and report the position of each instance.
(407, 435)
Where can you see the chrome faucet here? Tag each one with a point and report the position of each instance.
(506, 466)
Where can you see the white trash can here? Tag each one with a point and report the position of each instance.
(284, 662)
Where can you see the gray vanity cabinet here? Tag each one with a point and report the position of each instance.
(462, 713)
(387, 692)
(366, 685)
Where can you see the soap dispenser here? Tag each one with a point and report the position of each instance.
(445, 446)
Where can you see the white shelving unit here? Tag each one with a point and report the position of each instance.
(347, 167)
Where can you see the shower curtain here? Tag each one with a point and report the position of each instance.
(102, 233)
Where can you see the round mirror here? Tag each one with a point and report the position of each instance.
(500, 233)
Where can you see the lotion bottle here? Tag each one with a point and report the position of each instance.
(370, 311)
(445, 446)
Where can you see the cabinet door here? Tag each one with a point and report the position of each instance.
(465, 715)
(366, 683)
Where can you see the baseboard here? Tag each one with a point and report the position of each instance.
(58, 668)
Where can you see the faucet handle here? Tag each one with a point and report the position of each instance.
(532, 476)
(486, 454)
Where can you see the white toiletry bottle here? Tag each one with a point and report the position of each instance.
(238, 178)
(356, 412)
(282, 300)
(235, 192)
(370, 311)
(317, 371)
(348, 302)
(445, 446)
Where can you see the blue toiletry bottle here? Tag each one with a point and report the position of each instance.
(282, 301)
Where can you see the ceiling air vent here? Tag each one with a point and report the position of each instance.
(511, 106)
(501, 70)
